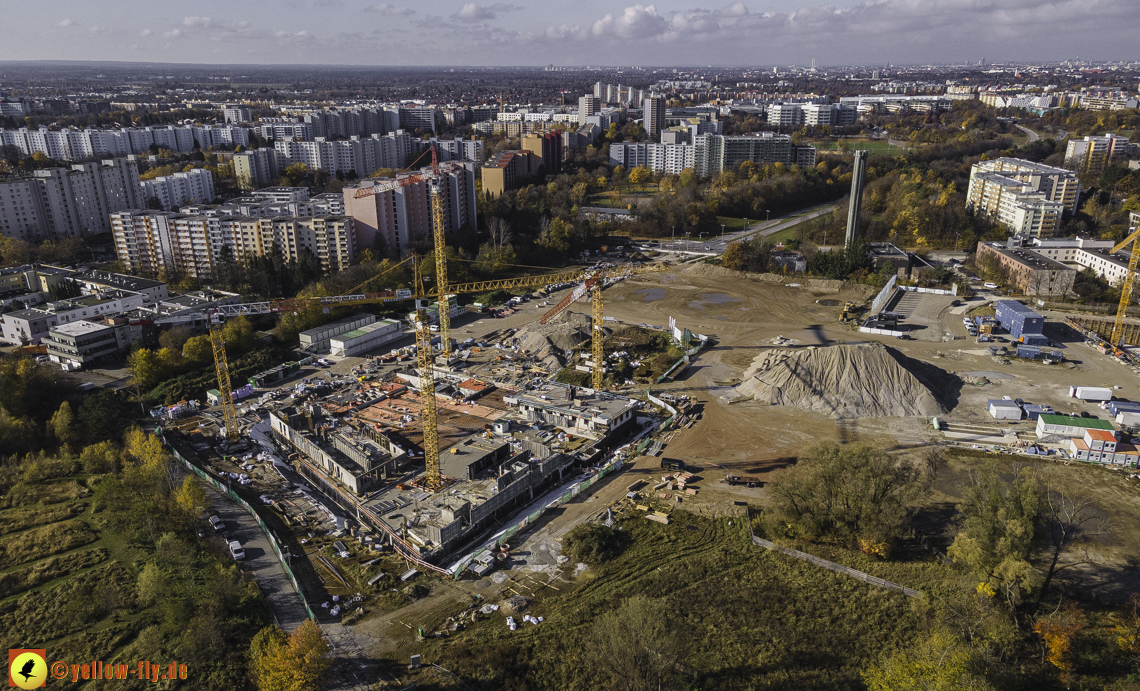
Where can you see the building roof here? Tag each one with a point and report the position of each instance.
(79, 328)
(1002, 403)
(1029, 258)
(1100, 435)
(1086, 422)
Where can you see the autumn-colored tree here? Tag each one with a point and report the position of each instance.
(191, 497)
(297, 662)
(941, 662)
(61, 424)
(238, 335)
(1060, 632)
(146, 449)
(147, 367)
(640, 175)
(198, 350)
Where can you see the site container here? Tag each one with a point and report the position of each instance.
(365, 338)
(1117, 407)
(1002, 409)
(1037, 353)
(1018, 319)
(1034, 411)
(1091, 393)
(1128, 418)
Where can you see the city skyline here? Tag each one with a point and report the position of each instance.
(451, 32)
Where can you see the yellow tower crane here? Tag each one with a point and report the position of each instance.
(222, 366)
(1126, 287)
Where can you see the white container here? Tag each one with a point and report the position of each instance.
(1091, 393)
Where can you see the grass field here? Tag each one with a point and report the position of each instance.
(753, 619)
(876, 146)
(732, 225)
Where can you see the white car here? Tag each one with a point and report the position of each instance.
(989, 285)
(236, 550)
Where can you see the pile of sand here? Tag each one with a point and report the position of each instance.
(548, 342)
(819, 285)
(843, 381)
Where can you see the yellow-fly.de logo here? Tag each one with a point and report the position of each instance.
(27, 668)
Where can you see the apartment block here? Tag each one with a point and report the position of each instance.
(786, 114)
(1092, 154)
(588, 105)
(548, 148)
(256, 168)
(173, 191)
(192, 245)
(61, 202)
(716, 153)
(653, 116)
(418, 118)
(79, 145)
(352, 157)
(1056, 184)
(508, 171)
(670, 159)
(397, 216)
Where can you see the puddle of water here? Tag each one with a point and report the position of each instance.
(651, 294)
(697, 305)
(721, 317)
(718, 298)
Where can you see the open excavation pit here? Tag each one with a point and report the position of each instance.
(849, 381)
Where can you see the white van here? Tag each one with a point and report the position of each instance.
(236, 550)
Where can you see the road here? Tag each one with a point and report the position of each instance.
(1033, 136)
(718, 245)
(260, 560)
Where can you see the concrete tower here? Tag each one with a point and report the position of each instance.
(858, 174)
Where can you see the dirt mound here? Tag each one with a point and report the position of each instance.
(549, 341)
(826, 285)
(842, 381)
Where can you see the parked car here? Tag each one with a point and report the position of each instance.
(989, 285)
(236, 550)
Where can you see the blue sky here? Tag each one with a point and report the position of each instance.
(528, 32)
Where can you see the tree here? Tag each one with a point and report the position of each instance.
(592, 543)
(1059, 631)
(638, 646)
(174, 338)
(297, 662)
(191, 497)
(941, 662)
(145, 448)
(852, 492)
(61, 424)
(238, 335)
(640, 175)
(146, 367)
(1068, 520)
(198, 350)
(151, 585)
(105, 415)
(997, 525)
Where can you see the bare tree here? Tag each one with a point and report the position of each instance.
(543, 229)
(500, 232)
(1071, 522)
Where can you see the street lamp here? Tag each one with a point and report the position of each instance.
(769, 215)
(721, 231)
(674, 240)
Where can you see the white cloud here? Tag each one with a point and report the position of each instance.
(175, 33)
(64, 22)
(482, 13)
(198, 21)
(390, 10)
(637, 21)
(736, 9)
(145, 32)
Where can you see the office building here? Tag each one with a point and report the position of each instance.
(588, 105)
(173, 191)
(81, 344)
(256, 168)
(1093, 154)
(1030, 271)
(653, 116)
(60, 202)
(548, 148)
(508, 171)
(396, 217)
(786, 114)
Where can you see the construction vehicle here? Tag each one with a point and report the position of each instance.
(1125, 288)
(848, 311)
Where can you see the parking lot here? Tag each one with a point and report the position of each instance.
(921, 314)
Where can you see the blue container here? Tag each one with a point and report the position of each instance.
(1034, 340)
(1018, 319)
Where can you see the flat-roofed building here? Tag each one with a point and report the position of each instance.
(1032, 272)
(507, 171)
(81, 344)
(1054, 184)
(590, 413)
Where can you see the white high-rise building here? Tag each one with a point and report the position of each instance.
(62, 202)
(173, 191)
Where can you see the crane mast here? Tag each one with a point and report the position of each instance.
(222, 367)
